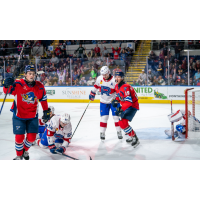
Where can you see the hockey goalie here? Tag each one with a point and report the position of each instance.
(180, 131)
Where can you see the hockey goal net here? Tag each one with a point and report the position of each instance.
(192, 110)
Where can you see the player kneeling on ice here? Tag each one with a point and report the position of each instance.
(106, 84)
(127, 106)
(57, 135)
(28, 92)
(180, 131)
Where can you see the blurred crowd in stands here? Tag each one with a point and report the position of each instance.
(157, 70)
(79, 69)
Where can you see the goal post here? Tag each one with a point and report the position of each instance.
(192, 113)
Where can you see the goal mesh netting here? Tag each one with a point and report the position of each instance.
(192, 108)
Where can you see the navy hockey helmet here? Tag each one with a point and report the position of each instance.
(29, 68)
(119, 74)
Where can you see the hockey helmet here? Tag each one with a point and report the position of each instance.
(52, 109)
(119, 74)
(105, 70)
(29, 68)
(65, 118)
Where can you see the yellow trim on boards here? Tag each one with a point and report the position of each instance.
(164, 101)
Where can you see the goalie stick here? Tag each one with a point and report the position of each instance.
(15, 73)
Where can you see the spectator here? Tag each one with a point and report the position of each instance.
(165, 50)
(94, 41)
(68, 42)
(184, 65)
(90, 82)
(1, 78)
(182, 82)
(89, 55)
(105, 52)
(74, 75)
(152, 56)
(55, 84)
(54, 59)
(142, 77)
(48, 83)
(161, 56)
(155, 81)
(177, 51)
(171, 80)
(160, 70)
(19, 48)
(135, 83)
(116, 52)
(161, 81)
(191, 82)
(48, 54)
(80, 51)
(197, 66)
(150, 76)
(83, 81)
(2, 50)
(93, 72)
(180, 70)
(60, 83)
(97, 50)
(197, 75)
(61, 76)
(116, 70)
(58, 51)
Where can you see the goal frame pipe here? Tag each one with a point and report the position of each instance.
(186, 111)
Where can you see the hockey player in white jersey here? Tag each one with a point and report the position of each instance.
(180, 131)
(58, 134)
(105, 83)
(42, 124)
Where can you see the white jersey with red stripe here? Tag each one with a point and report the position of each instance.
(107, 89)
(179, 115)
(54, 130)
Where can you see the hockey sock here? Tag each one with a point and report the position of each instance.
(19, 144)
(116, 120)
(127, 129)
(38, 142)
(30, 138)
(103, 123)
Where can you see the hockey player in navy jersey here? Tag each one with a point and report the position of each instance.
(127, 106)
(106, 84)
(27, 93)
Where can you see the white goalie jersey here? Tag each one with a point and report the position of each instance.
(107, 89)
(55, 131)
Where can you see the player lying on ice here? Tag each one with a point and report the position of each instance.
(127, 106)
(28, 92)
(57, 135)
(180, 131)
(106, 84)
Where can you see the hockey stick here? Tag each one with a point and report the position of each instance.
(172, 124)
(81, 118)
(12, 77)
(62, 154)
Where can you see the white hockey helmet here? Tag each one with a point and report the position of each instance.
(65, 118)
(105, 70)
(52, 109)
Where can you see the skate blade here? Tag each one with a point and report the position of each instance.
(136, 145)
(120, 138)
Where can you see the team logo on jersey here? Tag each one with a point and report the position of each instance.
(105, 90)
(101, 82)
(17, 127)
(29, 97)
(111, 84)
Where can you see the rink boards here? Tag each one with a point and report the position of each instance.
(146, 94)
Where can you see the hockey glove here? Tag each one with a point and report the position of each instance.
(46, 115)
(52, 149)
(8, 82)
(61, 150)
(119, 112)
(92, 96)
(114, 103)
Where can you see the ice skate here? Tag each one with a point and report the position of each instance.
(119, 134)
(18, 158)
(25, 155)
(129, 140)
(135, 141)
(102, 136)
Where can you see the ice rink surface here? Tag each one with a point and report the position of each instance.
(149, 123)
